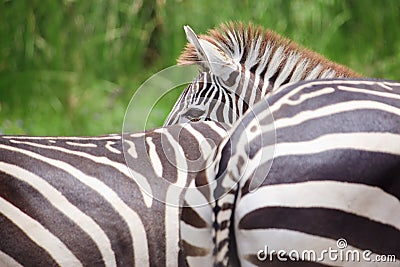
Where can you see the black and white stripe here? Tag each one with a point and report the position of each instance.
(329, 166)
(240, 65)
(75, 201)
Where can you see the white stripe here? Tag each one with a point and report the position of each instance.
(199, 237)
(328, 74)
(301, 67)
(137, 135)
(144, 185)
(287, 101)
(389, 85)
(373, 142)
(81, 144)
(7, 261)
(237, 46)
(245, 89)
(174, 111)
(135, 225)
(40, 235)
(290, 63)
(303, 97)
(67, 208)
(195, 198)
(234, 111)
(328, 83)
(335, 109)
(225, 215)
(173, 201)
(218, 128)
(200, 261)
(255, 90)
(132, 149)
(368, 91)
(274, 64)
(226, 110)
(154, 158)
(251, 241)
(295, 90)
(314, 72)
(220, 236)
(213, 112)
(112, 149)
(363, 200)
(252, 56)
(263, 62)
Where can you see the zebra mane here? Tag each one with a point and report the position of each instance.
(262, 51)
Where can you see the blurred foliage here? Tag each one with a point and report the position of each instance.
(70, 67)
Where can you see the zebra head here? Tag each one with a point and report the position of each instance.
(213, 93)
(238, 66)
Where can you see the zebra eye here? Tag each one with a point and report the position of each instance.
(194, 119)
(194, 113)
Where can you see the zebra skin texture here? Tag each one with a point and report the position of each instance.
(73, 201)
(331, 174)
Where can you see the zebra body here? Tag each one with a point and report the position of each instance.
(73, 201)
(238, 66)
(331, 173)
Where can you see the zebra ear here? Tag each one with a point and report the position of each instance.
(215, 60)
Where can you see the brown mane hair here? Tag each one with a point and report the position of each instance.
(239, 41)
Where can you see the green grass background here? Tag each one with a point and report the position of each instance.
(71, 67)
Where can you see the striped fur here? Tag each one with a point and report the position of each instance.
(72, 201)
(239, 65)
(332, 172)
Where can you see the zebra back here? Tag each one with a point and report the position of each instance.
(334, 178)
(74, 201)
(239, 65)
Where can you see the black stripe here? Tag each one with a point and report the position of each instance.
(21, 248)
(359, 232)
(370, 168)
(191, 217)
(356, 121)
(335, 97)
(207, 129)
(166, 153)
(100, 150)
(32, 203)
(315, 85)
(87, 200)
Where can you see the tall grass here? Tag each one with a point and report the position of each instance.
(71, 67)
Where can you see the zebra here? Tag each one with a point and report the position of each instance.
(330, 180)
(76, 201)
(239, 64)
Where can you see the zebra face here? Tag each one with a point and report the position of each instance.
(213, 98)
